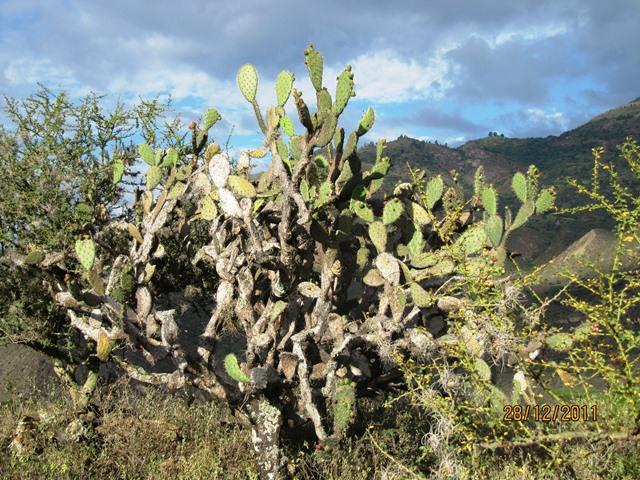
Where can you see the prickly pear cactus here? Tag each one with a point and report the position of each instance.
(327, 280)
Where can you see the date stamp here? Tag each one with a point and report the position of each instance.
(550, 413)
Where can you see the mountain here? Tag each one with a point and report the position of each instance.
(568, 155)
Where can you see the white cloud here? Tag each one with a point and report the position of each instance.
(383, 77)
(534, 32)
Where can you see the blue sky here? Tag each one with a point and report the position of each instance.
(448, 71)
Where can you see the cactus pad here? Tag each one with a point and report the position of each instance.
(248, 82)
(490, 200)
(392, 211)
(146, 154)
(284, 83)
(344, 399)
(118, 171)
(494, 229)
(211, 118)
(241, 186)
(344, 90)
(435, 187)
(545, 200)
(366, 122)
(154, 176)
(560, 342)
(233, 369)
(378, 235)
(313, 60)
(519, 185)
(421, 298)
(86, 252)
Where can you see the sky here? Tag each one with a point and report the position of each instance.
(447, 71)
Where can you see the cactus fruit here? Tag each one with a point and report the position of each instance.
(392, 211)
(233, 369)
(344, 90)
(519, 185)
(344, 400)
(314, 62)
(284, 83)
(248, 82)
(86, 252)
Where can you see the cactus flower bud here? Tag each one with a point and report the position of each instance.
(192, 125)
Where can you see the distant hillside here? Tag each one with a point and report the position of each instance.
(558, 157)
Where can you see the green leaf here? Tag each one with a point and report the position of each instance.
(416, 243)
(361, 209)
